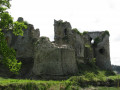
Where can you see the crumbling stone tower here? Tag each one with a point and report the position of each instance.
(62, 32)
(87, 46)
(101, 49)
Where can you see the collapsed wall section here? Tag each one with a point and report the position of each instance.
(50, 59)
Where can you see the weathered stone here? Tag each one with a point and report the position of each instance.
(62, 31)
(88, 48)
(62, 56)
(65, 35)
(53, 60)
(103, 54)
(24, 45)
(78, 45)
(101, 49)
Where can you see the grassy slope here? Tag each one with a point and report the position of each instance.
(73, 83)
(89, 75)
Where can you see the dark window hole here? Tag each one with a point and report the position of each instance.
(65, 31)
(102, 50)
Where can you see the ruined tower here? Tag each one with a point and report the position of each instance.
(62, 32)
(101, 49)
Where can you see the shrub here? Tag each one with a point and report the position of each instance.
(105, 33)
(96, 41)
(92, 62)
(76, 31)
(85, 32)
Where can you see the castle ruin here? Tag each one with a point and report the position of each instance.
(63, 56)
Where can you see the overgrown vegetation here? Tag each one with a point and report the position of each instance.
(106, 32)
(86, 80)
(96, 41)
(89, 73)
(7, 54)
(85, 32)
(76, 31)
(88, 46)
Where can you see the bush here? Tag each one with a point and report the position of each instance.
(85, 32)
(96, 41)
(92, 62)
(76, 31)
(105, 33)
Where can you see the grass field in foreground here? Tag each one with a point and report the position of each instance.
(87, 81)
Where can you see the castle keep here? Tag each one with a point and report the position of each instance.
(63, 56)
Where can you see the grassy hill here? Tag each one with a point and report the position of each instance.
(100, 80)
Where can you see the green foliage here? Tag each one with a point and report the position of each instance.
(76, 31)
(92, 62)
(88, 46)
(97, 40)
(7, 54)
(6, 21)
(105, 33)
(85, 32)
(73, 83)
(18, 26)
(5, 3)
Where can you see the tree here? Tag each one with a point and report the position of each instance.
(7, 54)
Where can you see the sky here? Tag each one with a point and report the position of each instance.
(85, 15)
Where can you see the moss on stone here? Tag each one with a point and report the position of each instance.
(97, 40)
(85, 32)
(88, 46)
(76, 30)
(105, 33)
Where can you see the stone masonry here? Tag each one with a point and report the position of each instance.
(62, 56)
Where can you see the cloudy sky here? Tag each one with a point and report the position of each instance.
(86, 15)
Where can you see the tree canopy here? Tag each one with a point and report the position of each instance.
(7, 54)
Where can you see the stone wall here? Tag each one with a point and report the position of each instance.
(101, 49)
(53, 60)
(62, 32)
(61, 57)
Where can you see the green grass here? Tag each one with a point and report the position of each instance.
(108, 88)
(36, 84)
(73, 83)
(89, 76)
